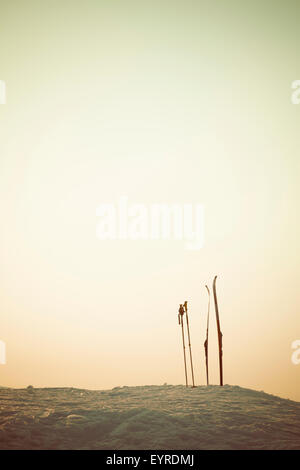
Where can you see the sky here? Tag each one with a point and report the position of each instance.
(160, 102)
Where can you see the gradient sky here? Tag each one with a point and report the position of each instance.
(162, 102)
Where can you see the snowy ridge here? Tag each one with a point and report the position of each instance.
(148, 417)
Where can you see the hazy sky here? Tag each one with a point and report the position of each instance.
(163, 102)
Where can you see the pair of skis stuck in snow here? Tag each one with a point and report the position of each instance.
(183, 310)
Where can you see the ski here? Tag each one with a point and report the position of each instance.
(219, 332)
(206, 341)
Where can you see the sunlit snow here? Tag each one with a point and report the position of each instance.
(148, 417)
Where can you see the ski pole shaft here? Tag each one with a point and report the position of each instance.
(184, 355)
(180, 319)
(189, 338)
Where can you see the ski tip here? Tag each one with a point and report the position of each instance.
(207, 288)
(215, 278)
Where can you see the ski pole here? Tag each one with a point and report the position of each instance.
(189, 338)
(180, 320)
(219, 332)
(206, 341)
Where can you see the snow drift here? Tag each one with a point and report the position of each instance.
(149, 417)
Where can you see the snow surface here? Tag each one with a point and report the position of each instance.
(149, 417)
